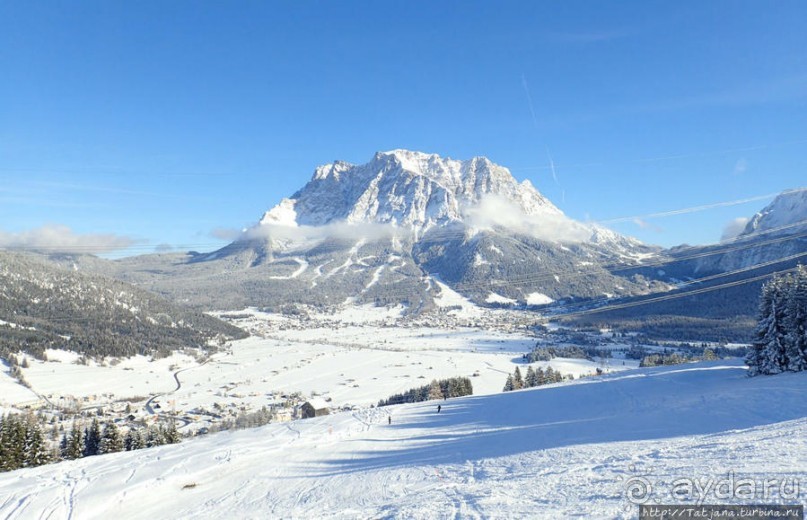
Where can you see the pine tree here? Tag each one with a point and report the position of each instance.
(155, 437)
(12, 443)
(171, 434)
(540, 377)
(508, 385)
(518, 381)
(754, 358)
(111, 441)
(796, 311)
(530, 379)
(63, 447)
(75, 443)
(36, 454)
(130, 439)
(92, 439)
(774, 352)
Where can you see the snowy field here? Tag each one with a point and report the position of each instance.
(354, 358)
(567, 450)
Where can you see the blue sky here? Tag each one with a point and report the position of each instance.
(167, 122)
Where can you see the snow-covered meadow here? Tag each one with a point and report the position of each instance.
(352, 358)
(573, 449)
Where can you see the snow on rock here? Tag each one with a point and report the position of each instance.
(551, 452)
(281, 215)
(404, 188)
(498, 298)
(538, 299)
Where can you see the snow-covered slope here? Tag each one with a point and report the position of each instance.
(571, 449)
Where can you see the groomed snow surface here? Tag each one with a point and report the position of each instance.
(558, 451)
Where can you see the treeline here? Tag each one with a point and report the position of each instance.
(243, 421)
(543, 353)
(24, 445)
(442, 389)
(780, 342)
(675, 358)
(537, 377)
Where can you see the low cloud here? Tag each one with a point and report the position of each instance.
(62, 239)
(339, 230)
(492, 212)
(734, 228)
(499, 212)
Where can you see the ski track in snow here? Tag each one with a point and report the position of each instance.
(556, 451)
(300, 270)
(376, 277)
(318, 273)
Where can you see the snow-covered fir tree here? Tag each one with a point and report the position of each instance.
(92, 439)
(780, 342)
(111, 441)
(74, 443)
(508, 385)
(36, 452)
(796, 314)
(518, 381)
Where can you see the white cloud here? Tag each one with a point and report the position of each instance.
(339, 230)
(62, 239)
(494, 211)
(734, 228)
(740, 167)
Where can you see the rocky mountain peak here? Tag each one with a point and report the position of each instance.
(786, 213)
(404, 188)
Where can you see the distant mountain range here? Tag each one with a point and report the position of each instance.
(399, 228)
(390, 231)
(731, 272)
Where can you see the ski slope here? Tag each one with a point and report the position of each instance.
(556, 451)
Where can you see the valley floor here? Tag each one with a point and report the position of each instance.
(573, 449)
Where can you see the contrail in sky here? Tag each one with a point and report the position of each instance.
(552, 167)
(529, 100)
(535, 124)
(693, 209)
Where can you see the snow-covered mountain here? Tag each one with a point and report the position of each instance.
(405, 188)
(391, 231)
(778, 231)
(786, 214)
(576, 449)
(416, 192)
(774, 240)
(384, 230)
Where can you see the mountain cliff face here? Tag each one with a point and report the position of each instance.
(386, 232)
(405, 188)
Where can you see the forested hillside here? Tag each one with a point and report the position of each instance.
(44, 306)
